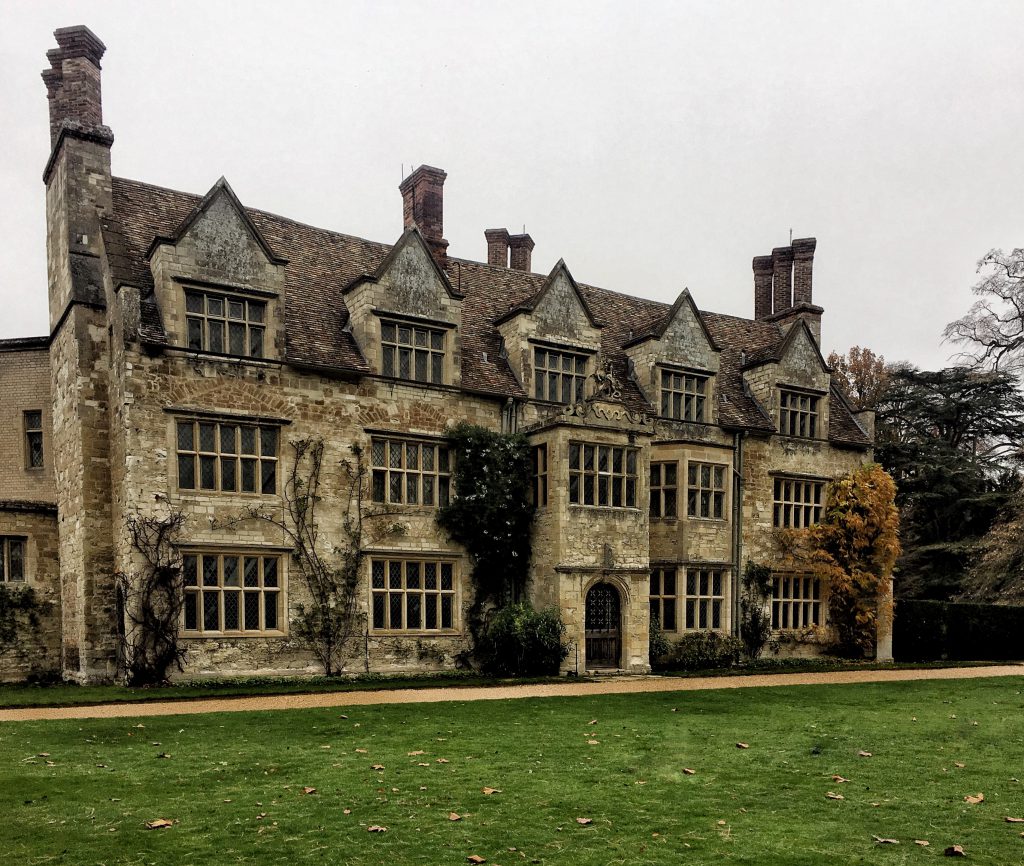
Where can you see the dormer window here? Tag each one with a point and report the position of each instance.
(412, 352)
(684, 396)
(225, 324)
(559, 376)
(798, 414)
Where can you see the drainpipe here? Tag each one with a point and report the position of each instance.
(737, 526)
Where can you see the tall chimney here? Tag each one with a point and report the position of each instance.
(522, 250)
(423, 207)
(73, 80)
(762, 286)
(497, 247)
(782, 278)
(803, 260)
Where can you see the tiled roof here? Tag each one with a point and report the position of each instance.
(321, 263)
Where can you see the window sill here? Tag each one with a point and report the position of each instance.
(721, 520)
(193, 492)
(632, 508)
(414, 633)
(232, 635)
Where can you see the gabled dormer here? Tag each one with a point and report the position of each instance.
(551, 339)
(406, 316)
(219, 284)
(676, 364)
(791, 380)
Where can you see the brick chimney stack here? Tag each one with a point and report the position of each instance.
(423, 207)
(803, 261)
(497, 247)
(522, 252)
(762, 286)
(782, 278)
(73, 80)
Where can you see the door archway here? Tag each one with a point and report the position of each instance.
(603, 626)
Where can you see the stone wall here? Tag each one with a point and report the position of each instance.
(38, 650)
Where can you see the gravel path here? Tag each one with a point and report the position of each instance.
(568, 688)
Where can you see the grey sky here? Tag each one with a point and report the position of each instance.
(651, 145)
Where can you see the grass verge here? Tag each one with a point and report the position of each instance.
(234, 785)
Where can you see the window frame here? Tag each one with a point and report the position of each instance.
(202, 457)
(809, 509)
(672, 395)
(382, 472)
(539, 488)
(32, 434)
(250, 324)
(809, 610)
(199, 588)
(803, 422)
(7, 545)
(697, 493)
(662, 600)
(434, 356)
(710, 597)
(661, 492)
(625, 482)
(385, 589)
(560, 377)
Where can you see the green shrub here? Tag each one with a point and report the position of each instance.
(660, 646)
(702, 650)
(940, 630)
(520, 641)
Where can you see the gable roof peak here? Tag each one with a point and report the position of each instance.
(221, 187)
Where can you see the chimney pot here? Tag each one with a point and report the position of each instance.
(762, 286)
(522, 252)
(423, 207)
(803, 262)
(73, 79)
(497, 247)
(782, 279)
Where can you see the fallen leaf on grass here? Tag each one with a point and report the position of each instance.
(742, 745)
(863, 754)
(454, 816)
(688, 772)
(161, 755)
(954, 851)
(584, 820)
(43, 755)
(376, 828)
(342, 716)
(159, 824)
(832, 795)
(593, 742)
(974, 799)
(839, 779)
(443, 761)
(882, 841)
(376, 766)
(721, 823)
(422, 764)
(489, 791)
(476, 858)
(959, 765)
(361, 751)
(1010, 820)
(417, 752)
(592, 722)
(308, 790)
(924, 843)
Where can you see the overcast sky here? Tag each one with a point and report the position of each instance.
(653, 146)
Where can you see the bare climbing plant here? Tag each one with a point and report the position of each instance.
(151, 601)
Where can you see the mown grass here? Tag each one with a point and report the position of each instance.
(234, 782)
(14, 695)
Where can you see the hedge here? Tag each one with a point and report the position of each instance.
(939, 630)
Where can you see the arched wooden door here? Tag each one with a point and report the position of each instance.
(603, 626)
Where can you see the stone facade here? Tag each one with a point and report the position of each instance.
(194, 341)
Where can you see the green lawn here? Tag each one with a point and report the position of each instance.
(233, 783)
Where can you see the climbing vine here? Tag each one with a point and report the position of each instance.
(151, 600)
(755, 618)
(20, 609)
(491, 515)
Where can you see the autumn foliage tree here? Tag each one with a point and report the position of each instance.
(853, 550)
(861, 375)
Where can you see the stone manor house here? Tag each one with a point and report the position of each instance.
(192, 338)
